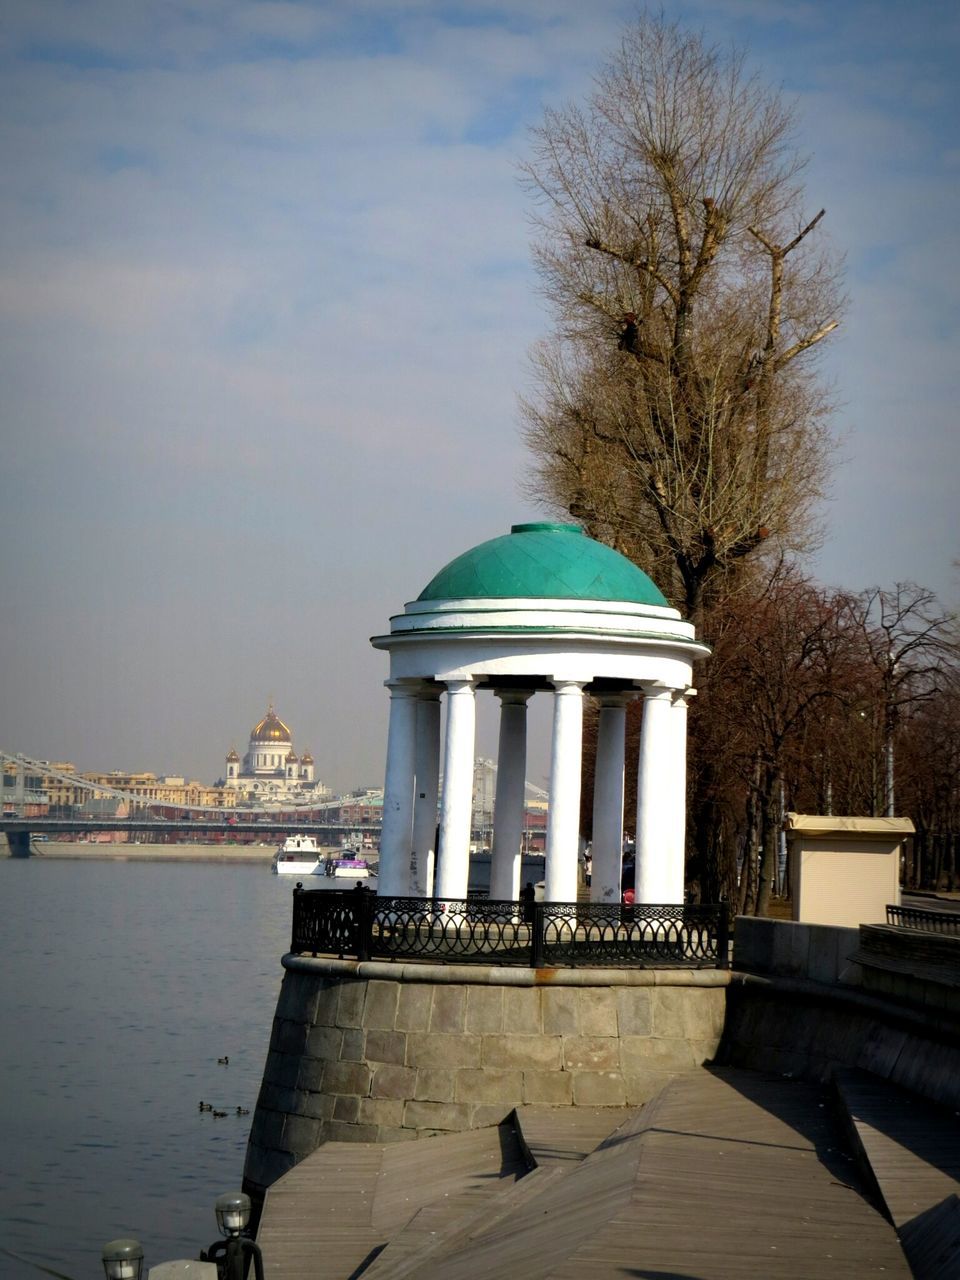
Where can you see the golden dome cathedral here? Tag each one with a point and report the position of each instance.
(270, 771)
(270, 729)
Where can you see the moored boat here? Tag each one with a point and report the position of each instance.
(352, 868)
(299, 856)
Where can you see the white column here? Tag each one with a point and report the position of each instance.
(662, 796)
(509, 803)
(678, 717)
(395, 839)
(563, 818)
(425, 801)
(453, 859)
(608, 785)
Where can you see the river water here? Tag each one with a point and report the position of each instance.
(121, 985)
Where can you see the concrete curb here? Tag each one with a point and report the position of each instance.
(504, 975)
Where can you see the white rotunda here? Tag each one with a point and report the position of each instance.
(543, 609)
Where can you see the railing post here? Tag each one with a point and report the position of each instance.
(365, 902)
(295, 930)
(537, 930)
(723, 938)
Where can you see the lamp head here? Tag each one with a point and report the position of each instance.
(233, 1212)
(122, 1259)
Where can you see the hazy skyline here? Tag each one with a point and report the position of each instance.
(267, 302)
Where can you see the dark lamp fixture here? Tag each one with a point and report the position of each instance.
(234, 1255)
(122, 1260)
(233, 1212)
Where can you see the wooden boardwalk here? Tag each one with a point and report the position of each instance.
(340, 1207)
(912, 1149)
(726, 1175)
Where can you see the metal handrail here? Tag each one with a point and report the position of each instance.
(358, 924)
(927, 921)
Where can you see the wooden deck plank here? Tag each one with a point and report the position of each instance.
(727, 1177)
(913, 1146)
(566, 1134)
(724, 1175)
(341, 1206)
(440, 1227)
(557, 1138)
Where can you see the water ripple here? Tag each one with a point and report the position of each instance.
(118, 1033)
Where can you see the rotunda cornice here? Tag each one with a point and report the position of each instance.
(660, 639)
(490, 604)
(514, 622)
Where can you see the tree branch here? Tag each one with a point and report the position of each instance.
(804, 343)
(638, 264)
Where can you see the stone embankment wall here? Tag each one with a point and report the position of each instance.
(128, 851)
(376, 1052)
(810, 998)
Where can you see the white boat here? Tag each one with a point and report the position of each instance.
(349, 868)
(299, 856)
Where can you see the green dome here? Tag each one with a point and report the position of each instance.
(547, 562)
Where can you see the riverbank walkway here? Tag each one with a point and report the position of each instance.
(726, 1174)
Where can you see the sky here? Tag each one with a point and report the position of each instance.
(266, 311)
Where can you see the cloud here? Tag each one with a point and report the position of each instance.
(265, 300)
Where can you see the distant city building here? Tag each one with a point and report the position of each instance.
(271, 771)
(360, 808)
(25, 793)
(55, 789)
(271, 775)
(170, 790)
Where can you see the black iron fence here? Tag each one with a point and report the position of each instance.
(360, 925)
(928, 921)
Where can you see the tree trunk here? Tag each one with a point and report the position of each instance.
(771, 843)
(748, 875)
(715, 864)
(909, 860)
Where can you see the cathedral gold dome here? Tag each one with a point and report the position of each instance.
(271, 729)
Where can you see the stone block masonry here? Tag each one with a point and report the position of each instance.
(805, 999)
(378, 1052)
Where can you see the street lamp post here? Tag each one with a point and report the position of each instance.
(122, 1259)
(230, 1255)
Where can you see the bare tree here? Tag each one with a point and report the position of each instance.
(790, 659)
(928, 782)
(810, 693)
(678, 415)
(911, 646)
